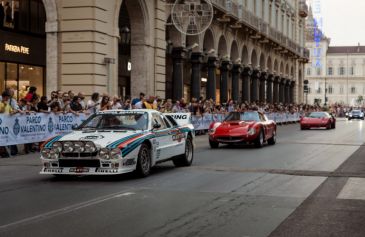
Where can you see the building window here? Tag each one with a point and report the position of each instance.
(341, 71)
(341, 90)
(319, 90)
(351, 70)
(318, 71)
(353, 90)
(330, 89)
(309, 90)
(330, 71)
(263, 9)
(308, 71)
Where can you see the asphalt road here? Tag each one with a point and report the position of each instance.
(311, 183)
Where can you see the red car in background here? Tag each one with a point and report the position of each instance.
(251, 127)
(318, 120)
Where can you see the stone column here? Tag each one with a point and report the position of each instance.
(246, 75)
(236, 71)
(269, 89)
(178, 55)
(225, 67)
(211, 83)
(263, 79)
(254, 86)
(282, 90)
(276, 89)
(292, 88)
(196, 62)
(287, 91)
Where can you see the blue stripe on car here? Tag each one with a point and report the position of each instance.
(50, 143)
(116, 143)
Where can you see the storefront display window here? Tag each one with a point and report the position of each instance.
(20, 77)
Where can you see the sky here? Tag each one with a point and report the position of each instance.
(343, 21)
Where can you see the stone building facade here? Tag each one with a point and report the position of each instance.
(334, 72)
(253, 50)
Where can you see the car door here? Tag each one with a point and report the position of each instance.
(178, 137)
(163, 138)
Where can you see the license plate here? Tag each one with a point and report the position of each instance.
(79, 170)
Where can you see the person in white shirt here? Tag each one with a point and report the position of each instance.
(116, 103)
(93, 105)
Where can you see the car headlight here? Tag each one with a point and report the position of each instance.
(68, 147)
(115, 153)
(57, 146)
(45, 153)
(252, 131)
(104, 154)
(79, 147)
(89, 147)
(53, 154)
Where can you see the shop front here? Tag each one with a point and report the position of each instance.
(22, 62)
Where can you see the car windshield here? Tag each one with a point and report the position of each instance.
(355, 111)
(245, 116)
(117, 121)
(317, 115)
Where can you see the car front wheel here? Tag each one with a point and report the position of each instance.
(144, 161)
(213, 144)
(260, 140)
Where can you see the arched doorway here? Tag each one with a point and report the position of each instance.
(124, 53)
(135, 53)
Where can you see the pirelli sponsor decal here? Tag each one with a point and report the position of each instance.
(53, 170)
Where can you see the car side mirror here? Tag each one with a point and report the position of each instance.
(74, 126)
(156, 126)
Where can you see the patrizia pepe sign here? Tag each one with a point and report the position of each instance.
(16, 48)
(192, 17)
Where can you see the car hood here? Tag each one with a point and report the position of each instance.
(234, 128)
(314, 120)
(102, 138)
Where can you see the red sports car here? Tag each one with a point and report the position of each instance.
(250, 127)
(317, 120)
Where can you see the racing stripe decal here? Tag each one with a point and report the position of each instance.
(53, 140)
(122, 140)
(135, 144)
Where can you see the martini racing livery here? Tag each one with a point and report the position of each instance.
(119, 141)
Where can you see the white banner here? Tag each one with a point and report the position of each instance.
(37, 127)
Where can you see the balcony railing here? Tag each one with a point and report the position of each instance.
(233, 9)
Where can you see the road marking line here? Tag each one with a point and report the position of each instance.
(67, 209)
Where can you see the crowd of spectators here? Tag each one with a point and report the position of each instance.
(76, 103)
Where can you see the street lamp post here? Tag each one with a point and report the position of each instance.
(325, 91)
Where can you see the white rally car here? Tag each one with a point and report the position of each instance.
(119, 141)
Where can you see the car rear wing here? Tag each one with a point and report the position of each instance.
(181, 119)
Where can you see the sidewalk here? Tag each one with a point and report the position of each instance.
(336, 208)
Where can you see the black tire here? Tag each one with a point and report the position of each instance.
(302, 128)
(260, 140)
(213, 144)
(329, 126)
(185, 159)
(349, 119)
(144, 161)
(272, 139)
(333, 125)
